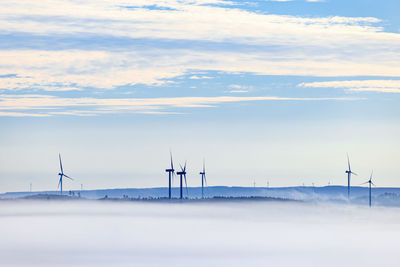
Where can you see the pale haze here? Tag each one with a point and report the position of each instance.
(211, 234)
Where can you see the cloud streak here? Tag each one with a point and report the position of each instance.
(78, 69)
(188, 20)
(381, 86)
(45, 105)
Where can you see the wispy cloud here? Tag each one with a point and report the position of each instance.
(21, 114)
(238, 91)
(213, 35)
(196, 77)
(189, 20)
(44, 105)
(237, 88)
(280, 45)
(75, 70)
(382, 86)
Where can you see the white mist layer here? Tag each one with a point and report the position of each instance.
(208, 234)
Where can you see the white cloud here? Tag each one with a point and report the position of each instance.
(324, 46)
(196, 77)
(50, 105)
(35, 83)
(238, 91)
(20, 114)
(237, 88)
(383, 86)
(189, 20)
(74, 70)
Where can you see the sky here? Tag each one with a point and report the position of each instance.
(264, 91)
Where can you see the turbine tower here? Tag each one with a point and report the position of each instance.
(182, 173)
(170, 176)
(203, 179)
(370, 184)
(61, 176)
(349, 173)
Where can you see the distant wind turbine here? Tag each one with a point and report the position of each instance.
(170, 176)
(370, 184)
(203, 179)
(182, 173)
(61, 174)
(349, 173)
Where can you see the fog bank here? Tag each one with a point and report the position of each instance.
(197, 234)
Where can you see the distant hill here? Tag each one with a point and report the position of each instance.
(359, 195)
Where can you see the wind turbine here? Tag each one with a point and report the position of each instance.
(61, 175)
(349, 173)
(370, 184)
(203, 179)
(170, 175)
(182, 173)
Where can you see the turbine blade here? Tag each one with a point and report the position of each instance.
(187, 192)
(184, 168)
(204, 165)
(59, 182)
(371, 174)
(181, 167)
(59, 156)
(348, 162)
(365, 183)
(354, 173)
(172, 164)
(205, 179)
(67, 177)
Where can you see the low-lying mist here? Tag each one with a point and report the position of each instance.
(94, 233)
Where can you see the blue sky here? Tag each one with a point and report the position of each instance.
(273, 91)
